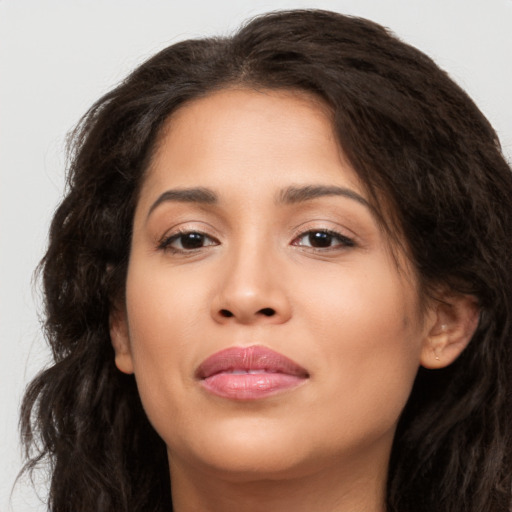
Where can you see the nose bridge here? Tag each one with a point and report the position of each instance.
(251, 289)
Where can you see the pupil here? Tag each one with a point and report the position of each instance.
(320, 239)
(192, 240)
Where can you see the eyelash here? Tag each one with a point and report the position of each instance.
(343, 240)
(166, 243)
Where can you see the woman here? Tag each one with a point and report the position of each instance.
(280, 280)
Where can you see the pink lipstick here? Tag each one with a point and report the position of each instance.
(249, 373)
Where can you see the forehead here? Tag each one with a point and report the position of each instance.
(251, 133)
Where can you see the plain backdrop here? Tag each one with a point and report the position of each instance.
(57, 57)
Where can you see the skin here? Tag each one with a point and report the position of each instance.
(347, 312)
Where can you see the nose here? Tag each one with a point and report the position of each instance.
(252, 290)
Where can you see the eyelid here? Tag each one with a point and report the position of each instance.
(164, 242)
(344, 242)
(347, 238)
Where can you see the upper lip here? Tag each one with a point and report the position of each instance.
(255, 357)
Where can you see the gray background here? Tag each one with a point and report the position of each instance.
(57, 57)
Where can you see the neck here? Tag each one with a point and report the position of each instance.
(352, 488)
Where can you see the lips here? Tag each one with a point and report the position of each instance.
(249, 373)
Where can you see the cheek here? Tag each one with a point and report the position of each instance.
(163, 310)
(163, 318)
(369, 338)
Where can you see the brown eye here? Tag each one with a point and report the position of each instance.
(322, 239)
(188, 241)
(191, 240)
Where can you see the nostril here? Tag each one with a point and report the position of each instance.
(267, 312)
(225, 313)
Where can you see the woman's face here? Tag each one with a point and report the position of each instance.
(270, 330)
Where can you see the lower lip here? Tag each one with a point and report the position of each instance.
(250, 386)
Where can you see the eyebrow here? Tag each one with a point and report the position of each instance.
(290, 195)
(186, 195)
(293, 195)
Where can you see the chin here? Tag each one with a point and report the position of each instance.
(247, 451)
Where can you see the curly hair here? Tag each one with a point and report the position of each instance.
(418, 143)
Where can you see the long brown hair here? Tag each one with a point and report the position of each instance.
(415, 139)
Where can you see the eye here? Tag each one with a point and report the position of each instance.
(323, 239)
(187, 241)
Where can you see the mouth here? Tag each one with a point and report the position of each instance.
(249, 373)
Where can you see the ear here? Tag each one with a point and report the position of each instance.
(119, 336)
(453, 321)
